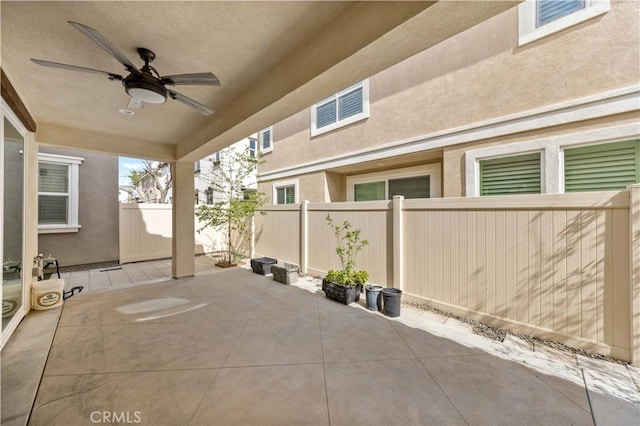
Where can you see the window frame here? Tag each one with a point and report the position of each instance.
(261, 133)
(529, 31)
(433, 170)
(517, 154)
(253, 152)
(73, 164)
(315, 131)
(284, 184)
(561, 173)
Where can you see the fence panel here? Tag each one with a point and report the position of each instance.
(277, 233)
(560, 265)
(146, 231)
(374, 221)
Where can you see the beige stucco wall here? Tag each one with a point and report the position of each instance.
(97, 239)
(477, 75)
(312, 187)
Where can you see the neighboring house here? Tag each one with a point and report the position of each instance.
(127, 194)
(153, 184)
(542, 98)
(204, 193)
(77, 206)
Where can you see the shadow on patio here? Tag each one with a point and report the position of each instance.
(239, 348)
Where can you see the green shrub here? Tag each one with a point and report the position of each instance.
(348, 245)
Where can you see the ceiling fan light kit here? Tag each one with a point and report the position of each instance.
(144, 84)
(145, 89)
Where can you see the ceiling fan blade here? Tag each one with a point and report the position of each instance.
(50, 64)
(203, 78)
(106, 45)
(205, 110)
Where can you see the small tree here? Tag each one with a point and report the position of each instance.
(153, 182)
(233, 206)
(348, 245)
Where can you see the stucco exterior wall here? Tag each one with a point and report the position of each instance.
(312, 187)
(478, 75)
(97, 239)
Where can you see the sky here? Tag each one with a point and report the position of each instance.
(126, 165)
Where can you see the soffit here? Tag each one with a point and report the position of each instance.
(272, 58)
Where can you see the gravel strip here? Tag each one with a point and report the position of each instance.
(499, 334)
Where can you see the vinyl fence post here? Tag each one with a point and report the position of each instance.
(398, 242)
(634, 257)
(304, 253)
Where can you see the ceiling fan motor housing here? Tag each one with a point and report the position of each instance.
(145, 88)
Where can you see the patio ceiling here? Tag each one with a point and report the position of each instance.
(272, 58)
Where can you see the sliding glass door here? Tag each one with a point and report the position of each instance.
(12, 203)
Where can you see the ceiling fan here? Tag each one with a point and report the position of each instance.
(144, 84)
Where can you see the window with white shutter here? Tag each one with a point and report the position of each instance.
(345, 107)
(540, 18)
(604, 167)
(285, 192)
(58, 193)
(519, 174)
(266, 140)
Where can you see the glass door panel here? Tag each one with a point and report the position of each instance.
(12, 252)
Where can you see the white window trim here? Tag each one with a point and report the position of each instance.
(528, 32)
(72, 224)
(345, 122)
(264, 150)
(284, 183)
(552, 160)
(433, 170)
(255, 150)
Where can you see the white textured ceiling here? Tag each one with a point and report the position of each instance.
(272, 58)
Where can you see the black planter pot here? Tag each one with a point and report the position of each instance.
(345, 294)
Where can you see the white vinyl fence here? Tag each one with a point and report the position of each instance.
(146, 231)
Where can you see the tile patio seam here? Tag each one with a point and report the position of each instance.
(324, 369)
(558, 390)
(636, 384)
(586, 390)
(204, 395)
(430, 375)
(44, 368)
(93, 373)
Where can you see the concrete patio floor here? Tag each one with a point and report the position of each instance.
(235, 347)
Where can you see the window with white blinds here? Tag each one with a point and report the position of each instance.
(57, 193)
(550, 10)
(603, 167)
(285, 192)
(540, 18)
(53, 193)
(266, 140)
(286, 195)
(345, 107)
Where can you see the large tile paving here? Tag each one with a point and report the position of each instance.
(233, 347)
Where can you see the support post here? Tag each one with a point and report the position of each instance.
(634, 257)
(398, 242)
(304, 235)
(183, 220)
(252, 242)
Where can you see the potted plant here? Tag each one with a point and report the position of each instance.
(345, 285)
